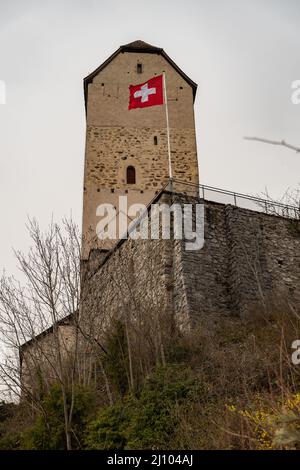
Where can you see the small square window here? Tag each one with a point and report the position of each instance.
(139, 68)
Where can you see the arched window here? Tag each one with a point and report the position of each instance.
(130, 175)
(155, 140)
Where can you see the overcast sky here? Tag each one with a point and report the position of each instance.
(244, 55)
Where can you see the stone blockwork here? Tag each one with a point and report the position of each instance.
(39, 361)
(110, 150)
(249, 259)
(134, 279)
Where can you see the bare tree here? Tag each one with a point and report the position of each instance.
(136, 295)
(291, 197)
(53, 329)
(274, 142)
(49, 298)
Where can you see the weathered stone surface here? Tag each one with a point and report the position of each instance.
(249, 259)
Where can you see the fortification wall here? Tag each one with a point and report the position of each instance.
(135, 279)
(249, 260)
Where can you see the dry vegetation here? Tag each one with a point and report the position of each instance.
(227, 384)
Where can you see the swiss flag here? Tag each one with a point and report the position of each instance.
(146, 94)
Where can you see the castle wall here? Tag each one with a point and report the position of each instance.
(39, 358)
(135, 279)
(249, 261)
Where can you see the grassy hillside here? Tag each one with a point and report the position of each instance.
(229, 384)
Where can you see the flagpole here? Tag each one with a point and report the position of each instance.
(168, 130)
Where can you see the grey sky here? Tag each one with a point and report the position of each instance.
(244, 56)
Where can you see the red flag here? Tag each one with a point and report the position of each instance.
(146, 94)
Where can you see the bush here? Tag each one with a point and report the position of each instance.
(116, 360)
(204, 398)
(10, 440)
(48, 431)
(147, 421)
(109, 430)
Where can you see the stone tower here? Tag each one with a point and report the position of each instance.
(126, 150)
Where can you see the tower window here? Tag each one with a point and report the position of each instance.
(130, 175)
(155, 140)
(139, 68)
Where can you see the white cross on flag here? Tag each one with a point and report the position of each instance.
(146, 94)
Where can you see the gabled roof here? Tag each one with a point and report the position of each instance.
(137, 46)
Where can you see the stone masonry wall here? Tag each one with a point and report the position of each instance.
(249, 259)
(135, 278)
(111, 149)
(40, 354)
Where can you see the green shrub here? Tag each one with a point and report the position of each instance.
(147, 421)
(48, 431)
(109, 430)
(155, 416)
(116, 360)
(10, 440)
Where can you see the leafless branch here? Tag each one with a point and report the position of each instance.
(274, 142)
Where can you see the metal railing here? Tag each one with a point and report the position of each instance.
(245, 201)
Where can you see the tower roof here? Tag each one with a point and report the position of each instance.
(140, 46)
(137, 46)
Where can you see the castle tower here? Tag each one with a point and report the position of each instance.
(126, 150)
